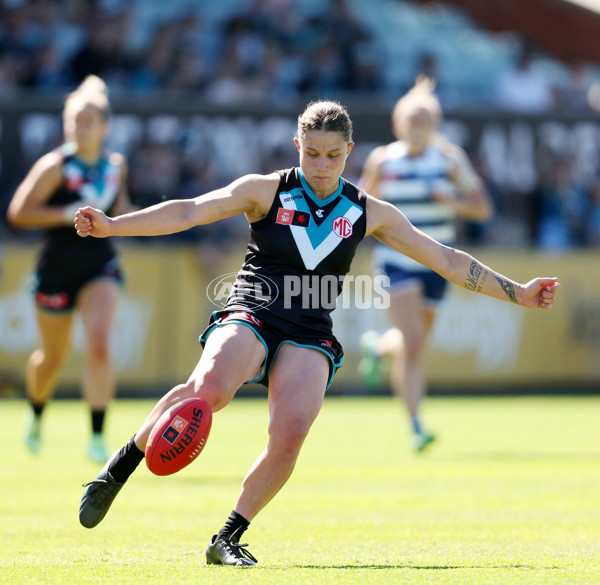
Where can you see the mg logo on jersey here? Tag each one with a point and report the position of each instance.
(342, 227)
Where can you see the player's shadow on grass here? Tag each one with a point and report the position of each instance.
(396, 566)
(525, 456)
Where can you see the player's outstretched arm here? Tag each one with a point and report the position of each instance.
(164, 218)
(252, 195)
(392, 228)
(468, 272)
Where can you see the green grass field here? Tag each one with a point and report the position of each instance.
(509, 494)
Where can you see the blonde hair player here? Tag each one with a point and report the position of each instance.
(305, 224)
(432, 182)
(72, 273)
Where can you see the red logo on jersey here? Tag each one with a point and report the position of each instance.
(292, 217)
(57, 301)
(73, 183)
(285, 216)
(328, 344)
(242, 316)
(342, 227)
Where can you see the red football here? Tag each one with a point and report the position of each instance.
(178, 436)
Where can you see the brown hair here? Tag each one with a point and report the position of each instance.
(325, 115)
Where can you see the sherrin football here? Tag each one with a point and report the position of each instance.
(178, 436)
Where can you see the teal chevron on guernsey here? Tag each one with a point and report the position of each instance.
(316, 241)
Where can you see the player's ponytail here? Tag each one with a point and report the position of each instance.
(420, 96)
(94, 91)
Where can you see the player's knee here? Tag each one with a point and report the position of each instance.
(98, 341)
(394, 341)
(51, 359)
(412, 344)
(288, 436)
(99, 351)
(211, 388)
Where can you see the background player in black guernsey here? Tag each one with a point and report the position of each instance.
(304, 222)
(71, 272)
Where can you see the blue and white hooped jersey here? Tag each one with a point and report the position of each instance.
(298, 255)
(407, 182)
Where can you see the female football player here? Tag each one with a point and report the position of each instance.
(71, 272)
(432, 182)
(305, 225)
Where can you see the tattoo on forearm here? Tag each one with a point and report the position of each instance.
(508, 288)
(476, 277)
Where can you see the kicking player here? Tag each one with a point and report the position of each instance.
(305, 225)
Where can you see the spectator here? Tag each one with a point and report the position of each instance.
(593, 217)
(522, 88)
(19, 42)
(427, 64)
(229, 87)
(326, 71)
(560, 205)
(189, 71)
(155, 68)
(49, 71)
(576, 93)
(105, 54)
(154, 174)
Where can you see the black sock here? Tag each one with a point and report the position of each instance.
(98, 421)
(236, 524)
(126, 461)
(37, 409)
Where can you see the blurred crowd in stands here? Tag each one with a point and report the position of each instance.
(267, 51)
(279, 52)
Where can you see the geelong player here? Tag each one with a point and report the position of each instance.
(304, 221)
(432, 182)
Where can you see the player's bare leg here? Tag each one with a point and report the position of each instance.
(296, 390)
(406, 345)
(98, 304)
(232, 354)
(43, 368)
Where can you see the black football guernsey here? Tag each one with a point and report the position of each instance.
(298, 255)
(64, 254)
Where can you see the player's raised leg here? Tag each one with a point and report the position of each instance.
(232, 354)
